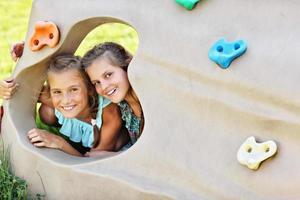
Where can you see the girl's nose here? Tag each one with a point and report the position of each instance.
(66, 98)
(102, 87)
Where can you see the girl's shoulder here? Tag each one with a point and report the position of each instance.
(132, 122)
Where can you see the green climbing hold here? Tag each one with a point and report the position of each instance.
(188, 4)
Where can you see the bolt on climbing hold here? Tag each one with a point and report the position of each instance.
(188, 4)
(45, 33)
(252, 153)
(223, 52)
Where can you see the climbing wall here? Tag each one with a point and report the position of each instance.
(218, 83)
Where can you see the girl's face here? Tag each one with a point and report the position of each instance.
(110, 81)
(69, 93)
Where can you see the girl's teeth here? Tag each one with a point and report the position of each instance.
(111, 92)
(68, 108)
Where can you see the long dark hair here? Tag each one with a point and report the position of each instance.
(115, 53)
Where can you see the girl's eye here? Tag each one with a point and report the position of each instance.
(74, 89)
(96, 83)
(56, 92)
(108, 75)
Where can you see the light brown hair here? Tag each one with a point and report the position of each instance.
(66, 62)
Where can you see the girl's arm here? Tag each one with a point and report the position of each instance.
(42, 138)
(47, 115)
(46, 110)
(110, 130)
(45, 97)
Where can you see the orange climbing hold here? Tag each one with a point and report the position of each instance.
(46, 33)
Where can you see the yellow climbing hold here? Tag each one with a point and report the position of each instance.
(252, 153)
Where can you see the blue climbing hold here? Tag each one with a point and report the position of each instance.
(188, 4)
(223, 52)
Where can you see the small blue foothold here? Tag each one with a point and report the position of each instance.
(223, 52)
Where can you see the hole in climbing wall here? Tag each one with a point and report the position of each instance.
(105, 54)
(119, 33)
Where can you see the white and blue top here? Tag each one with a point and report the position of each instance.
(80, 131)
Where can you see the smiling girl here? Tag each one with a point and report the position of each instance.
(106, 64)
(74, 104)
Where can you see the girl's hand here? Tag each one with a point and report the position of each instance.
(42, 138)
(8, 87)
(16, 50)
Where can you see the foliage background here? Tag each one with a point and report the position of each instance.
(14, 17)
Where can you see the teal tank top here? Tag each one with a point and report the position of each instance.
(80, 131)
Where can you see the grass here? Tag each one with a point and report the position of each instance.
(13, 27)
(11, 186)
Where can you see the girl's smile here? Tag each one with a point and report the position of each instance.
(69, 93)
(110, 81)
